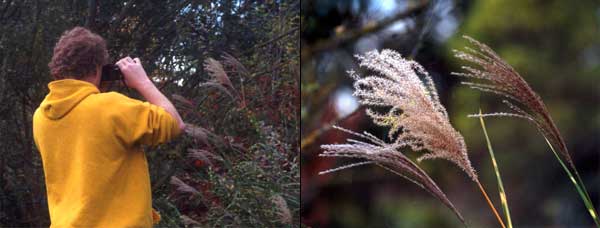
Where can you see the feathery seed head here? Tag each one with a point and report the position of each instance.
(385, 155)
(497, 76)
(416, 117)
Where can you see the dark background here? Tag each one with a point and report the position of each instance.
(238, 167)
(554, 45)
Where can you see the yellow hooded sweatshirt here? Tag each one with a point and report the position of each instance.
(96, 172)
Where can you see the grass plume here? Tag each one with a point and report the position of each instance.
(497, 76)
(215, 69)
(385, 155)
(416, 118)
(494, 75)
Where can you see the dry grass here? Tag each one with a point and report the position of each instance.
(416, 117)
(497, 76)
(387, 156)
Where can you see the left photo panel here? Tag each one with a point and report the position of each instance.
(149, 113)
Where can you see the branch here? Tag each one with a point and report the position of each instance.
(91, 19)
(291, 31)
(315, 134)
(354, 34)
(122, 15)
(6, 6)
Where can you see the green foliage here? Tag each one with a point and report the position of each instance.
(251, 133)
(501, 191)
(578, 183)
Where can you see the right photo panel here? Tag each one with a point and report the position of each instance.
(450, 113)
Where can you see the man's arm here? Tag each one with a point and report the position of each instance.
(136, 78)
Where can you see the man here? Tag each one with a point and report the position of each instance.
(90, 142)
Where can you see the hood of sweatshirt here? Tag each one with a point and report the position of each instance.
(64, 96)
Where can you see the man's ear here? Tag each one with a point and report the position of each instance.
(102, 86)
(95, 78)
(98, 75)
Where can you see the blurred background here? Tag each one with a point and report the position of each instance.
(554, 45)
(231, 67)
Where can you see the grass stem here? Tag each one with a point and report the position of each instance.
(490, 204)
(582, 192)
(501, 191)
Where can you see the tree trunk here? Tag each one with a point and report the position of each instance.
(91, 19)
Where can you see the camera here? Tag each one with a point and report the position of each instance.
(111, 72)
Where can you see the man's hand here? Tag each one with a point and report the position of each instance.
(136, 78)
(134, 74)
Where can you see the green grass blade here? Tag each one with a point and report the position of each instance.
(580, 181)
(498, 178)
(582, 192)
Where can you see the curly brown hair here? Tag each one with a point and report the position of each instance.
(77, 54)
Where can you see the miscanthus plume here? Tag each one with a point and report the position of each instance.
(492, 74)
(414, 115)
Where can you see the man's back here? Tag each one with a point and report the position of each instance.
(96, 173)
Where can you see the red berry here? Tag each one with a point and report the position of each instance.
(198, 163)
